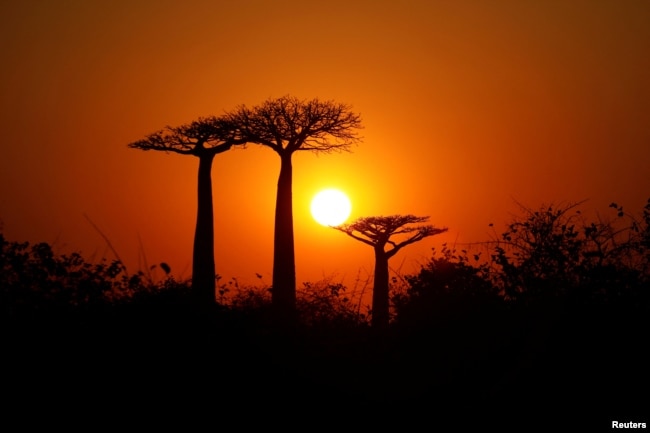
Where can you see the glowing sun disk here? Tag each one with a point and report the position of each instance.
(330, 207)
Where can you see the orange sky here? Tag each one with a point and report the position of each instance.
(467, 106)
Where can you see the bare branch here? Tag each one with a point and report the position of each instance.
(288, 124)
(422, 232)
(377, 230)
(350, 233)
(205, 135)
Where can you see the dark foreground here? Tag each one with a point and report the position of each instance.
(517, 370)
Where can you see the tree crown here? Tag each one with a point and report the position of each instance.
(288, 124)
(206, 134)
(377, 230)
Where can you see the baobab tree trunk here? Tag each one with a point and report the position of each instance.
(284, 266)
(380, 312)
(203, 270)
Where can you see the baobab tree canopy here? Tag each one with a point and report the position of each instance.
(289, 124)
(204, 135)
(377, 230)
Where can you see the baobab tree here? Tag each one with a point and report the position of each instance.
(288, 125)
(377, 232)
(204, 138)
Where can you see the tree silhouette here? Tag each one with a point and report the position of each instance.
(203, 138)
(287, 125)
(376, 232)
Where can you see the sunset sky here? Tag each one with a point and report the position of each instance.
(467, 107)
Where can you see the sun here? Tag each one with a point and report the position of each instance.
(330, 207)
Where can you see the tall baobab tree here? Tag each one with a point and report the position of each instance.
(204, 138)
(376, 232)
(288, 125)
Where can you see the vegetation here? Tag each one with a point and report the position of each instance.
(559, 306)
(552, 254)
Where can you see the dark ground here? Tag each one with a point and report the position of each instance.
(175, 367)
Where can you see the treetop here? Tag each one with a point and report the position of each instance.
(377, 230)
(289, 124)
(215, 134)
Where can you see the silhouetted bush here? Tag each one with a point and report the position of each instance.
(321, 304)
(446, 287)
(34, 281)
(326, 304)
(556, 252)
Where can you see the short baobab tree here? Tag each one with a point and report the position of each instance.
(203, 138)
(377, 232)
(288, 125)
